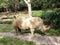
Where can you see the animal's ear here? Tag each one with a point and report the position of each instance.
(14, 16)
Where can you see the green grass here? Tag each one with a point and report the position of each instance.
(9, 27)
(37, 13)
(53, 32)
(23, 15)
(6, 27)
(14, 41)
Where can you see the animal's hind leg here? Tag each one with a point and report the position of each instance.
(19, 30)
(16, 30)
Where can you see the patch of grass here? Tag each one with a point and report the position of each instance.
(21, 15)
(6, 21)
(6, 27)
(37, 13)
(38, 31)
(14, 41)
(53, 32)
(43, 44)
(9, 27)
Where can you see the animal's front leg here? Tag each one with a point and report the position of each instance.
(32, 31)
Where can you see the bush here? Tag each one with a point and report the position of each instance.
(52, 18)
(17, 5)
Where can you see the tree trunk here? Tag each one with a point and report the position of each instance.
(29, 7)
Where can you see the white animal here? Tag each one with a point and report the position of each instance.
(30, 23)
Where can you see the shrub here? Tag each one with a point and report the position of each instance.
(52, 18)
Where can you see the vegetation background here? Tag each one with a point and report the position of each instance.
(48, 10)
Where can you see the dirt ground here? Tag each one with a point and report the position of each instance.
(38, 39)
